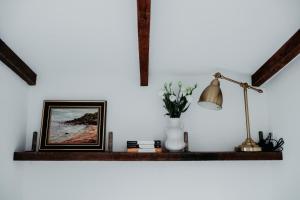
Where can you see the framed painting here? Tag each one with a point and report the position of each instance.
(73, 126)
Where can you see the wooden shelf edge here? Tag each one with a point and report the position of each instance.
(123, 156)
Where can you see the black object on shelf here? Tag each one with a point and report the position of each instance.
(110, 141)
(186, 141)
(269, 143)
(34, 141)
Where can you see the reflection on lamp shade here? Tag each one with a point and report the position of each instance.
(212, 98)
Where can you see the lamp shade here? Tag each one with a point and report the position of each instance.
(212, 98)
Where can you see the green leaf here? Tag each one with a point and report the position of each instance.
(186, 108)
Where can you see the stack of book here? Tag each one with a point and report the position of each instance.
(150, 146)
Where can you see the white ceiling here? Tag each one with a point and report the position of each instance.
(187, 36)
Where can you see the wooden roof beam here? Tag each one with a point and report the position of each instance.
(143, 14)
(280, 59)
(12, 60)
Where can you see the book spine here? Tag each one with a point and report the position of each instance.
(137, 150)
(143, 146)
(141, 142)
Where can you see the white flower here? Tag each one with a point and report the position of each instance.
(189, 98)
(172, 98)
(179, 83)
(180, 94)
(161, 93)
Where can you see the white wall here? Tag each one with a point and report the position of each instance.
(13, 105)
(88, 50)
(136, 112)
(283, 98)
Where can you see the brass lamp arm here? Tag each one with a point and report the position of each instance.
(243, 85)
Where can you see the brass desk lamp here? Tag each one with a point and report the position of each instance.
(212, 98)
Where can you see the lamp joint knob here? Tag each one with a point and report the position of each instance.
(218, 75)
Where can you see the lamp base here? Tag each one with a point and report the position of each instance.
(248, 146)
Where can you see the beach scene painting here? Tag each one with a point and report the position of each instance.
(73, 126)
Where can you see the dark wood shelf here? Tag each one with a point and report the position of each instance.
(123, 156)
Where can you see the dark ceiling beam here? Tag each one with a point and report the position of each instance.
(281, 58)
(8, 57)
(143, 14)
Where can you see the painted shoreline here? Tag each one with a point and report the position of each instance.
(87, 137)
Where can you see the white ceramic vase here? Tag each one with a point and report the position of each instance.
(175, 137)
